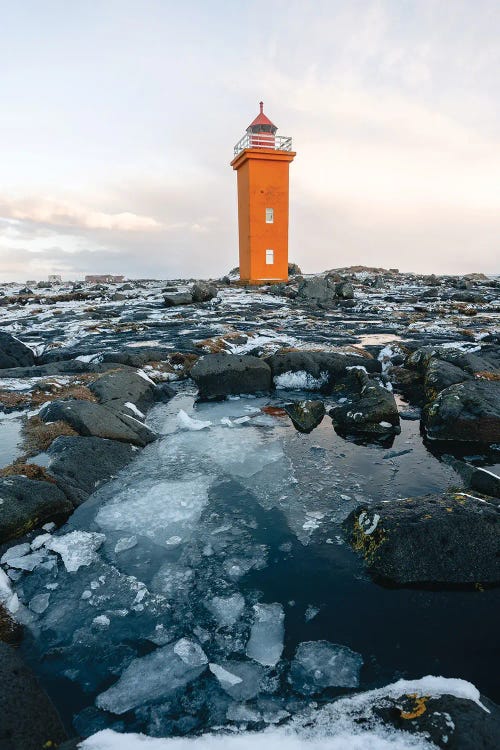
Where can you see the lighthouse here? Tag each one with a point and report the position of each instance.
(261, 160)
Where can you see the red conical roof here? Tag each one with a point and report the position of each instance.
(262, 119)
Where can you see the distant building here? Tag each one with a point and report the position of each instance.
(105, 278)
(55, 278)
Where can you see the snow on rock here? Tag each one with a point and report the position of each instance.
(76, 548)
(319, 664)
(300, 380)
(155, 676)
(188, 423)
(265, 644)
(7, 597)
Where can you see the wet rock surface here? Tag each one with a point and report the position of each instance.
(221, 375)
(28, 720)
(27, 504)
(305, 415)
(452, 539)
(13, 353)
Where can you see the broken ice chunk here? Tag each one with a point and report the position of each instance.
(152, 677)
(320, 664)
(265, 644)
(241, 680)
(188, 423)
(226, 609)
(39, 603)
(76, 548)
(14, 553)
(190, 652)
(126, 542)
(240, 712)
(27, 562)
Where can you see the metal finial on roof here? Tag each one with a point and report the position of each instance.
(261, 106)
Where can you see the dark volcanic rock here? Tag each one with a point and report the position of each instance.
(449, 722)
(344, 290)
(440, 375)
(172, 299)
(451, 539)
(91, 419)
(219, 375)
(28, 503)
(468, 412)
(373, 411)
(305, 415)
(203, 292)
(80, 464)
(115, 389)
(294, 270)
(28, 720)
(13, 353)
(475, 477)
(329, 367)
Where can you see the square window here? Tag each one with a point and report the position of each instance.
(269, 257)
(269, 215)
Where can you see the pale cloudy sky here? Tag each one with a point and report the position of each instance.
(118, 119)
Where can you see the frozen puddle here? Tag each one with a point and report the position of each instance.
(167, 605)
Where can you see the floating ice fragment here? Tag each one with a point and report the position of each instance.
(101, 621)
(226, 609)
(190, 652)
(149, 678)
(27, 562)
(126, 542)
(265, 644)
(225, 678)
(320, 664)
(76, 548)
(39, 603)
(188, 423)
(14, 553)
(39, 541)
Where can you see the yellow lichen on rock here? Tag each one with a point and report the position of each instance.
(420, 707)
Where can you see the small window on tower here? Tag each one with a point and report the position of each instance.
(269, 257)
(269, 215)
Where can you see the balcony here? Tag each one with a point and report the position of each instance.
(263, 140)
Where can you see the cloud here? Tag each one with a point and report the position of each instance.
(65, 214)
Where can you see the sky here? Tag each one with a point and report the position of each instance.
(118, 120)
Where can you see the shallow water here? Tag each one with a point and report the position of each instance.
(10, 437)
(250, 508)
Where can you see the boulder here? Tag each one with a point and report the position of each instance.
(320, 290)
(344, 290)
(440, 375)
(305, 415)
(172, 299)
(328, 368)
(29, 503)
(80, 464)
(203, 292)
(115, 389)
(448, 721)
(372, 412)
(219, 375)
(28, 720)
(475, 477)
(448, 540)
(90, 419)
(13, 353)
(294, 270)
(468, 412)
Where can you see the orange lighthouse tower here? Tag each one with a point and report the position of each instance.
(261, 160)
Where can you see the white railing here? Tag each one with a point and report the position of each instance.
(263, 140)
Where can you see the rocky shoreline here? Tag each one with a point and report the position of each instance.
(81, 367)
